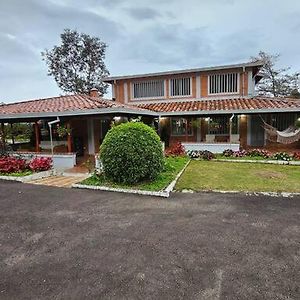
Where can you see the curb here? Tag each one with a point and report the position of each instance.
(248, 193)
(164, 193)
(273, 162)
(31, 177)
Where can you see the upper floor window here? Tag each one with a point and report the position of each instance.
(149, 89)
(180, 87)
(223, 83)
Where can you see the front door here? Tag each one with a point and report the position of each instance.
(257, 132)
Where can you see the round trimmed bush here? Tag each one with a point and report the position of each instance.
(131, 152)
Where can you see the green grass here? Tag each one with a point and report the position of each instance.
(173, 165)
(231, 176)
(17, 174)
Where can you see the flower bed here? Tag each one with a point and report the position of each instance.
(11, 166)
(260, 154)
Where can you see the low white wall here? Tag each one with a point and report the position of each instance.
(213, 147)
(60, 160)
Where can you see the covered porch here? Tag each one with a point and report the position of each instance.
(69, 129)
(73, 141)
(217, 132)
(214, 133)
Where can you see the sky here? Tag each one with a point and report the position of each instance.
(142, 36)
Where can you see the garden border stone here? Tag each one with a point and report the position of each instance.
(263, 161)
(33, 176)
(163, 193)
(271, 194)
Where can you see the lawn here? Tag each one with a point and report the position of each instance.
(173, 165)
(230, 176)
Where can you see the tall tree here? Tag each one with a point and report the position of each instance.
(77, 64)
(276, 82)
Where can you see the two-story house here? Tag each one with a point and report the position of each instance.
(208, 108)
(212, 108)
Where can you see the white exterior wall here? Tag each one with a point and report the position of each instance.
(60, 161)
(213, 147)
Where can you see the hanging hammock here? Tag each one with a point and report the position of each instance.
(287, 136)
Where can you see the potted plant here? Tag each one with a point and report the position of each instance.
(63, 131)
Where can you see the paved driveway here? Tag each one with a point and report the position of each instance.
(60, 243)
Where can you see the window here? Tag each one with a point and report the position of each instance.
(223, 83)
(181, 126)
(149, 89)
(180, 87)
(218, 125)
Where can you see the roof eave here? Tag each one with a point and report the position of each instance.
(184, 71)
(88, 112)
(223, 112)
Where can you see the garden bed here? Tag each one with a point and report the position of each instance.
(20, 169)
(26, 176)
(237, 177)
(161, 186)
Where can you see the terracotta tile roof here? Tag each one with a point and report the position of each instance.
(226, 105)
(61, 104)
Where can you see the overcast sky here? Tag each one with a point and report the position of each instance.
(143, 36)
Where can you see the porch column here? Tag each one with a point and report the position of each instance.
(243, 131)
(91, 136)
(69, 137)
(12, 133)
(2, 133)
(159, 127)
(37, 136)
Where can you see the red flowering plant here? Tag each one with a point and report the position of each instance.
(175, 150)
(10, 164)
(39, 164)
(296, 155)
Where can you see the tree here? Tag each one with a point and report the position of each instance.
(275, 82)
(77, 64)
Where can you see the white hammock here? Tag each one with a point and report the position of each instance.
(287, 136)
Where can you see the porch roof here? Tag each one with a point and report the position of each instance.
(70, 105)
(223, 106)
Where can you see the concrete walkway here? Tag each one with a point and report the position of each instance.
(59, 181)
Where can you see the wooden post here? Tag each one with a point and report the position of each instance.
(69, 138)
(37, 137)
(12, 133)
(3, 134)
(186, 130)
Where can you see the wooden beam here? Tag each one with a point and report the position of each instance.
(37, 137)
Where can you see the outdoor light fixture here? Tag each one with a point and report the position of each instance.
(207, 119)
(117, 119)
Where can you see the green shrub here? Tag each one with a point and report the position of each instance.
(131, 152)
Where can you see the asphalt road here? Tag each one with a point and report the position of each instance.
(60, 243)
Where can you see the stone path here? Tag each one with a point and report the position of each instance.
(59, 181)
